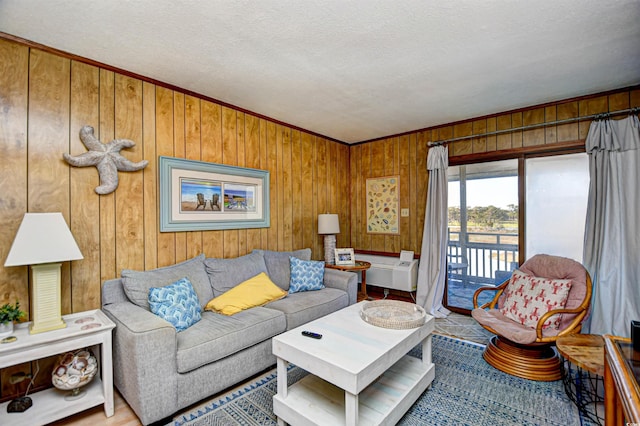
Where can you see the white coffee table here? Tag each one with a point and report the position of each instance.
(360, 373)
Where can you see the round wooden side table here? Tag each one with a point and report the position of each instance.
(359, 265)
(582, 369)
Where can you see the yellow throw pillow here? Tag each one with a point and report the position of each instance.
(253, 292)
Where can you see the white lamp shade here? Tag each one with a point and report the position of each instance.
(328, 224)
(43, 238)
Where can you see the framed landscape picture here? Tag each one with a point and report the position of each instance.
(383, 205)
(200, 196)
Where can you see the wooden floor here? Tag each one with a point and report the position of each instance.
(124, 415)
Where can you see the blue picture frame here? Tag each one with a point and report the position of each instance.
(201, 196)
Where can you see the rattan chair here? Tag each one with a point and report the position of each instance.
(529, 352)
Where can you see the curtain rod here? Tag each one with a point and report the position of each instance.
(600, 116)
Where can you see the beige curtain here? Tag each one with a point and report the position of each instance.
(612, 234)
(432, 271)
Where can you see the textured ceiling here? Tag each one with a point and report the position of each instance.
(353, 70)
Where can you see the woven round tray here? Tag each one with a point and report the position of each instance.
(393, 314)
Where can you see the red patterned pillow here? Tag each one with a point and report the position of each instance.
(527, 298)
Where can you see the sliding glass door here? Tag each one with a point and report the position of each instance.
(483, 227)
(488, 218)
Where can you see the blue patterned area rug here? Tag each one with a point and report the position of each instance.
(466, 391)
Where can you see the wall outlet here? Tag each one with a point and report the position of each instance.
(404, 212)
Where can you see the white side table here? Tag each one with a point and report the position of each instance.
(83, 329)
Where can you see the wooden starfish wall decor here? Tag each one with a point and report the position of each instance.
(106, 158)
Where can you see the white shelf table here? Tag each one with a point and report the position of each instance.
(84, 329)
(360, 374)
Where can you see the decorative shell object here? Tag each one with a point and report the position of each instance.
(74, 370)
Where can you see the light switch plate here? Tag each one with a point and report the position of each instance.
(404, 212)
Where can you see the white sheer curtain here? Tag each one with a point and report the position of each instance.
(432, 271)
(612, 231)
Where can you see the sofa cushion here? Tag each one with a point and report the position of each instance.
(306, 275)
(278, 266)
(300, 308)
(137, 283)
(504, 326)
(217, 336)
(561, 268)
(224, 274)
(176, 303)
(528, 297)
(508, 328)
(255, 291)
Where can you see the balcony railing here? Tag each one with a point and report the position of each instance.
(475, 258)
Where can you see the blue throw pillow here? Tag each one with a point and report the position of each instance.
(176, 303)
(306, 275)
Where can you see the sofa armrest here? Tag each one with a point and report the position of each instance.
(145, 366)
(113, 292)
(343, 280)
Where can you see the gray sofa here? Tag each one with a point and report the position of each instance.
(159, 371)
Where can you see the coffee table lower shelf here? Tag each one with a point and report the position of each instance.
(313, 401)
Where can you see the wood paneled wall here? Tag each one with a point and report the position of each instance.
(46, 98)
(406, 156)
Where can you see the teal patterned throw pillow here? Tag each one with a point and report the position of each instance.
(306, 275)
(176, 303)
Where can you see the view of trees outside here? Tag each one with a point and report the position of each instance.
(492, 208)
(487, 217)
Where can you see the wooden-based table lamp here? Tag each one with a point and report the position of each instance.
(44, 241)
